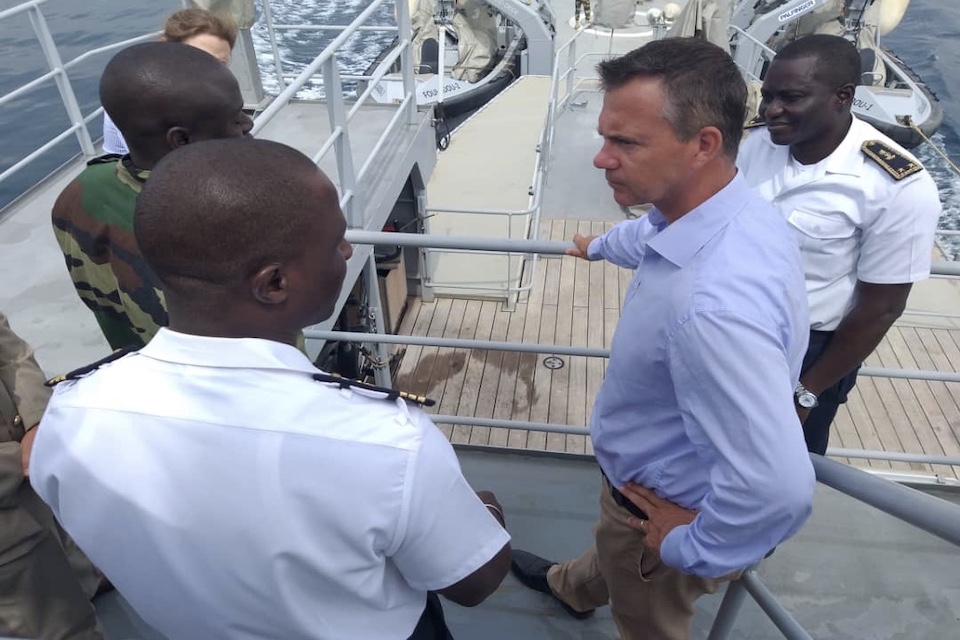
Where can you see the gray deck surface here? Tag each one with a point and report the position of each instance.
(853, 573)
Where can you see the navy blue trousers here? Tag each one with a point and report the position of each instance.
(816, 429)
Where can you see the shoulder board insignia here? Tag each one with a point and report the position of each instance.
(104, 159)
(890, 160)
(82, 371)
(755, 121)
(389, 394)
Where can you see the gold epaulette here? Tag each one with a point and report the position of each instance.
(756, 121)
(892, 161)
(388, 394)
(104, 159)
(82, 371)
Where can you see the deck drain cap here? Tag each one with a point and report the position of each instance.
(553, 362)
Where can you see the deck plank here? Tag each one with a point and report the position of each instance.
(462, 323)
(526, 395)
(510, 394)
(907, 415)
(480, 389)
(560, 386)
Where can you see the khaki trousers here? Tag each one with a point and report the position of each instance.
(648, 599)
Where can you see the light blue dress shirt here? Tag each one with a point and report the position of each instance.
(697, 402)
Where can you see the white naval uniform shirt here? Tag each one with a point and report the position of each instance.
(228, 495)
(852, 220)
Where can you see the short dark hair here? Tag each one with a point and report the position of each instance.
(701, 83)
(214, 212)
(837, 59)
(150, 87)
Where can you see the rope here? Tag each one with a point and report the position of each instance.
(936, 148)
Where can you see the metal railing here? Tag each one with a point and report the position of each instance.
(532, 233)
(510, 291)
(553, 247)
(937, 517)
(57, 72)
(327, 64)
(750, 48)
(930, 514)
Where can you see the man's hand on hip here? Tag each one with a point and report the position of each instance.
(665, 516)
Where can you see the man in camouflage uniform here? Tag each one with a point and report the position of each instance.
(161, 96)
(45, 581)
(584, 6)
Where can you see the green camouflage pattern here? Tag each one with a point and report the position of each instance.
(93, 223)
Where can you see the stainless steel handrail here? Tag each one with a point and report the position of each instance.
(57, 72)
(340, 117)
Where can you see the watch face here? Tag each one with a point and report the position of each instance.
(807, 400)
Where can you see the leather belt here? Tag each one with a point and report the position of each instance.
(623, 501)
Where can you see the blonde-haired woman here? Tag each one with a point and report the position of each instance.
(214, 33)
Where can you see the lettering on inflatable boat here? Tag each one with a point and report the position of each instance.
(796, 11)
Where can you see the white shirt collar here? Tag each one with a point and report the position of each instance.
(845, 159)
(234, 353)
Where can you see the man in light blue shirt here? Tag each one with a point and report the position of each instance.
(695, 421)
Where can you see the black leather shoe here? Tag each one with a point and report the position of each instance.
(532, 570)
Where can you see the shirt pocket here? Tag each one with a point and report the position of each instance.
(821, 227)
(828, 244)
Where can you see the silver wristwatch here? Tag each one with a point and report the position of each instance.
(806, 399)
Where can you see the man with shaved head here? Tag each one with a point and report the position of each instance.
(220, 512)
(161, 95)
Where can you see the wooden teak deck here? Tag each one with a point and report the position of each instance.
(577, 303)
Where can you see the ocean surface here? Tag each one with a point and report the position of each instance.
(928, 40)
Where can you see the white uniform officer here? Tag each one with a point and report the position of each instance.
(226, 486)
(863, 210)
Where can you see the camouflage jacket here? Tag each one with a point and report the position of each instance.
(22, 401)
(93, 223)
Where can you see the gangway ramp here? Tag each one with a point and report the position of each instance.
(490, 165)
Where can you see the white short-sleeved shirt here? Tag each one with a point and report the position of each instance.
(228, 495)
(113, 141)
(852, 219)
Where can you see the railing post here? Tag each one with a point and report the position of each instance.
(272, 36)
(425, 265)
(405, 37)
(726, 618)
(572, 71)
(333, 90)
(50, 52)
(381, 368)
